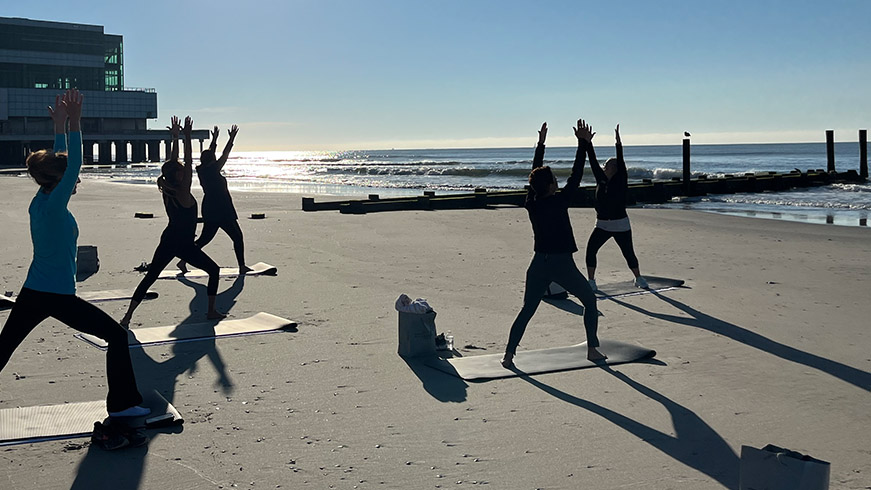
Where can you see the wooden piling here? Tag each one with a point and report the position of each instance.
(863, 153)
(830, 150)
(686, 166)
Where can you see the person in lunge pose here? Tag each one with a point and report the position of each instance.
(611, 218)
(177, 239)
(218, 209)
(50, 287)
(554, 244)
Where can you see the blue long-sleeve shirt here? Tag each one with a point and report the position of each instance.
(53, 228)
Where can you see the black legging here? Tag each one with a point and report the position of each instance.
(623, 239)
(172, 245)
(32, 307)
(210, 229)
(559, 268)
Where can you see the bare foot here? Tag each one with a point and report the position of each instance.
(216, 315)
(508, 360)
(125, 322)
(182, 267)
(593, 354)
(243, 269)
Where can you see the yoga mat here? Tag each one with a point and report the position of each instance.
(259, 323)
(259, 269)
(626, 288)
(538, 361)
(27, 425)
(6, 302)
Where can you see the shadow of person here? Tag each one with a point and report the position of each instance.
(854, 376)
(441, 386)
(127, 465)
(695, 443)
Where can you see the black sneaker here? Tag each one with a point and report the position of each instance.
(107, 437)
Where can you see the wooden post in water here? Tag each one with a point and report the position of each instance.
(830, 150)
(863, 153)
(686, 166)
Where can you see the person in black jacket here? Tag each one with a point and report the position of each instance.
(218, 209)
(554, 244)
(611, 218)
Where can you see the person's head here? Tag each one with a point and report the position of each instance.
(169, 171)
(207, 157)
(611, 166)
(47, 168)
(543, 181)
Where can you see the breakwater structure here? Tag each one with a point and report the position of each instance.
(648, 191)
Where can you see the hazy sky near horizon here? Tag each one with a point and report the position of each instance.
(346, 74)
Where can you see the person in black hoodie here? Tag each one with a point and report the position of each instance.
(611, 218)
(554, 244)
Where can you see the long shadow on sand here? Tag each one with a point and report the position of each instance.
(694, 444)
(854, 376)
(443, 387)
(123, 469)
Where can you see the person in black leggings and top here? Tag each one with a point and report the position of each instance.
(218, 210)
(611, 218)
(177, 239)
(50, 287)
(554, 245)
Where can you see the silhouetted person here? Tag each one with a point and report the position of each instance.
(50, 287)
(177, 239)
(554, 244)
(611, 218)
(218, 209)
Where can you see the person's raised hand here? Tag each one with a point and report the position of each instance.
(617, 134)
(542, 133)
(72, 101)
(175, 126)
(188, 126)
(584, 131)
(58, 114)
(232, 131)
(215, 133)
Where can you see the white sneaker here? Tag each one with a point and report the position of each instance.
(593, 285)
(641, 282)
(134, 411)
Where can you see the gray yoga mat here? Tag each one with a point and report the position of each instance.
(259, 269)
(27, 425)
(626, 288)
(6, 302)
(259, 323)
(538, 361)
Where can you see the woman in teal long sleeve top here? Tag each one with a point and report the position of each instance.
(50, 287)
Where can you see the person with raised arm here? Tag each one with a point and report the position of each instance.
(50, 287)
(611, 218)
(218, 210)
(554, 244)
(177, 239)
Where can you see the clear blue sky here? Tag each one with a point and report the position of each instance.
(355, 74)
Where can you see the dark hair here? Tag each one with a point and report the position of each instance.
(207, 156)
(169, 171)
(47, 167)
(540, 179)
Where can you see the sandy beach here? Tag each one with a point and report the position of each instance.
(768, 343)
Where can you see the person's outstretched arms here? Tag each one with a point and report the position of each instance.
(72, 105)
(229, 146)
(214, 144)
(58, 115)
(598, 173)
(621, 169)
(584, 133)
(538, 159)
(174, 130)
(187, 172)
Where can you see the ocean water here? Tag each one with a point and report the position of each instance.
(409, 172)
